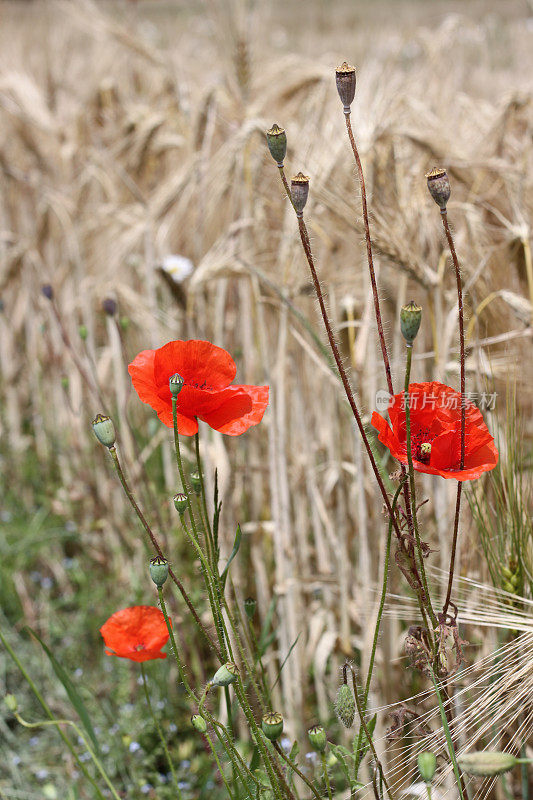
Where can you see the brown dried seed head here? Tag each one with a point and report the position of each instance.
(299, 191)
(439, 186)
(346, 82)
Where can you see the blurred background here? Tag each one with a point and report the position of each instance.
(137, 187)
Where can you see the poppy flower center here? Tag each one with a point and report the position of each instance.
(139, 647)
(421, 444)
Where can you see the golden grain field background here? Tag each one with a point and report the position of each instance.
(130, 132)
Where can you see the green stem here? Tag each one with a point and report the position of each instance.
(80, 734)
(361, 713)
(293, 766)
(201, 476)
(155, 543)
(174, 646)
(429, 607)
(159, 730)
(48, 712)
(378, 622)
(219, 765)
(326, 776)
(428, 789)
(209, 580)
(451, 749)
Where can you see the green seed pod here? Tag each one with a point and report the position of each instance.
(277, 144)
(299, 192)
(250, 605)
(175, 383)
(439, 186)
(158, 570)
(11, 702)
(198, 723)
(196, 483)
(410, 319)
(346, 81)
(272, 725)
(180, 502)
(124, 323)
(225, 675)
(317, 737)
(83, 332)
(345, 705)
(427, 765)
(104, 430)
(486, 763)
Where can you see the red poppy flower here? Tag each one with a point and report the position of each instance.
(207, 372)
(137, 633)
(436, 421)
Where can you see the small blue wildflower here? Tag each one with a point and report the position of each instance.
(134, 746)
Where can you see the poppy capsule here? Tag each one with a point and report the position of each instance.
(104, 430)
(439, 186)
(317, 737)
(346, 81)
(158, 570)
(272, 725)
(277, 144)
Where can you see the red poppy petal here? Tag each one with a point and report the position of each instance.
(386, 435)
(141, 370)
(232, 418)
(200, 364)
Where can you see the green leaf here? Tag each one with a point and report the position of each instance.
(235, 550)
(72, 692)
(342, 754)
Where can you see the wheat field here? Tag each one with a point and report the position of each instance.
(131, 132)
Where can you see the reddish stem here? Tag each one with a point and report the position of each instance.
(463, 407)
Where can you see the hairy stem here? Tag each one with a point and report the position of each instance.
(451, 245)
(157, 548)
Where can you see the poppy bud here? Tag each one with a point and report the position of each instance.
(272, 725)
(175, 383)
(299, 192)
(410, 319)
(199, 723)
(345, 705)
(11, 702)
(439, 186)
(109, 306)
(427, 764)
(250, 605)
(196, 483)
(225, 675)
(104, 430)
(317, 737)
(83, 332)
(180, 502)
(158, 570)
(277, 144)
(486, 763)
(47, 291)
(346, 80)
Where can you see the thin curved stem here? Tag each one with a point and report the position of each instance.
(159, 730)
(455, 260)
(326, 776)
(370, 259)
(368, 735)
(47, 710)
(447, 733)
(157, 548)
(407, 401)
(298, 771)
(81, 735)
